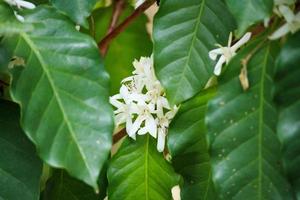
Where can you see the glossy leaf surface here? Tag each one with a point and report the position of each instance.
(61, 187)
(245, 149)
(77, 10)
(288, 98)
(139, 171)
(65, 109)
(8, 21)
(20, 168)
(184, 33)
(188, 148)
(249, 12)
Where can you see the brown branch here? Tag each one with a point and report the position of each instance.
(104, 43)
(119, 6)
(118, 136)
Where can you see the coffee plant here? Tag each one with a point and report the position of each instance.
(146, 99)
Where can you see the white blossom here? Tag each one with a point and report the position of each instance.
(141, 104)
(227, 53)
(277, 4)
(20, 4)
(138, 3)
(292, 22)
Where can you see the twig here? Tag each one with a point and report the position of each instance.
(119, 6)
(118, 136)
(104, 43)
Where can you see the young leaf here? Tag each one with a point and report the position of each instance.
(61, 187)
(188, 148)
(288, 97)
(249, 12)
(77, 10)
(20, 168)
(139, 171)
(131, 44)
(244, 146)
(63, 93)
(184, 33)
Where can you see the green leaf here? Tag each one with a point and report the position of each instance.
(184, 33)
(139, 171)
(20, 168)
(4, 58)
(8, 21)
(249, 12)
(288, 97)
(63, 93)
(77, 10)
(188, 148)
(245, 149)
(131, 44)
(61, 187)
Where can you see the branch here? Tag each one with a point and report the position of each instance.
(119, 5)
(104, 43)
(118, 136)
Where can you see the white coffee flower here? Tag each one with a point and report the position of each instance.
(277, 4)
(292, 23)
(163, 121)
(138, 3)
(142, 105)
(227, 53)
(20, 4)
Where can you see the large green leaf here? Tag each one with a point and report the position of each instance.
(63, 187)
(139, 171)
(77, 10)
(188, 148)
(63, 93)
(288, 97)
(8, 21)
(4, 58)
(127, 46)
(20, 168)
(248, 12)
(245, 149)
(184, 33)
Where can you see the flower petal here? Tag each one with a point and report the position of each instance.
(283, 30)
(142, 131)
(241, 42)
(151, 126)
(218, 66)
(136, 125)
(287, 13)
(213, 54)
(161, 140)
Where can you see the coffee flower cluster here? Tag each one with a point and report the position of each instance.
(142, 105)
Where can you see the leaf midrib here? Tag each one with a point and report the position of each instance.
(43, 65)
(146, 168)
(190, 49)
(261, 122)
